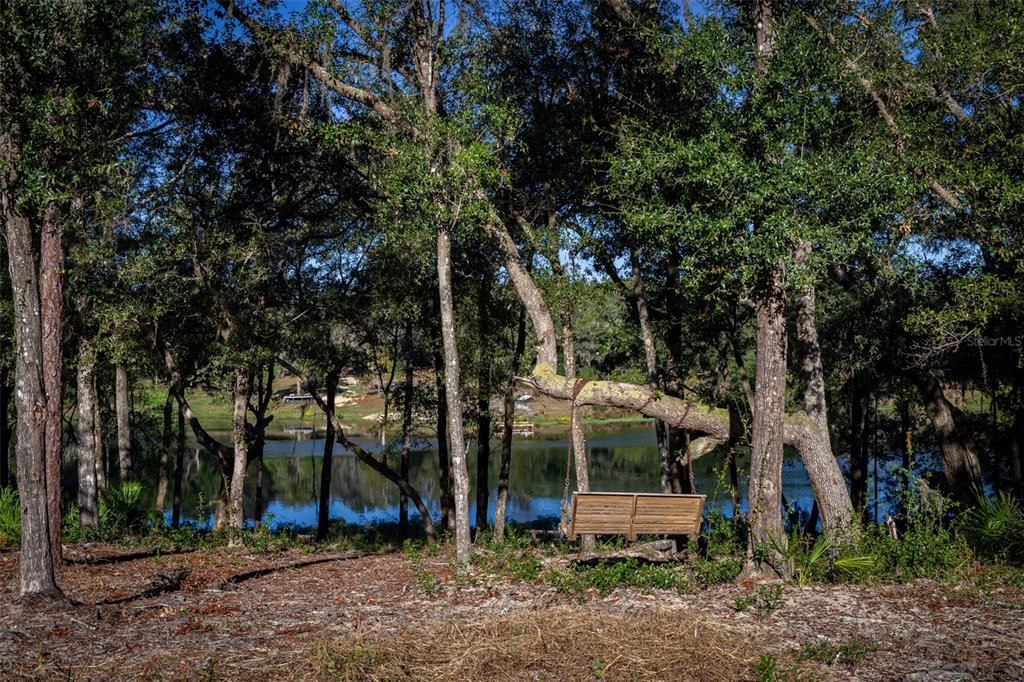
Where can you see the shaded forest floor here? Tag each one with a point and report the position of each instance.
(231, 614)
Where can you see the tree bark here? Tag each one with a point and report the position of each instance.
(51, 301)
(453, 395)
(483, 406)
(959, 459)
(764, 493)
(409, 393)
(507, 427)
(236, 482)
(830, 492)
(36, 560)
(122, 406)
(322, 516)
(88, 509)
(264, 394)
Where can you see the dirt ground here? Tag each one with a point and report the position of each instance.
(230, 614)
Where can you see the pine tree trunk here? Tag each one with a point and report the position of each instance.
(51, 301)
(483, 406)
(409, 394)
(36, 560)
(453, 395)
(122, 406)
(236, 482)
(764, 493)
(88, 509)
(507, 427)
(322, 516)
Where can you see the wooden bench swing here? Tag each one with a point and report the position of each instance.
(629, 514)
(633, 514)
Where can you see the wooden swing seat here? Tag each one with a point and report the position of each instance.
(633, 514)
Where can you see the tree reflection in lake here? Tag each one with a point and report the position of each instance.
(622, 458)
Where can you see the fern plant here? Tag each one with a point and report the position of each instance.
(995, 527)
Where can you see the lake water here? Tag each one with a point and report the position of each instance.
(622, 458)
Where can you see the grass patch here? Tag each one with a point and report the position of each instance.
(836, 653)
(569, 643)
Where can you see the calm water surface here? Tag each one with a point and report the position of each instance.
(622, 458)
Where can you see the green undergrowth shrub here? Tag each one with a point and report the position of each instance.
(606, 575)
(10, 518)
(513, 557)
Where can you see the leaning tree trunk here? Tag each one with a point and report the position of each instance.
(453, 394)
(959, 459)
(579, 444)
(51, 302)
(819, 460)
(507, 428)
(36, 560)
(322, 515)
(122, 406)
(236, 483)
(88, 509)
(764, 493)
(483, 406)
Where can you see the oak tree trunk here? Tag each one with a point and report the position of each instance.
(764, 493)
(453, 396)
(166, 444)
(122, 407)
(236, 482)
(959, 459)
(322, 520)
(819, 460)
